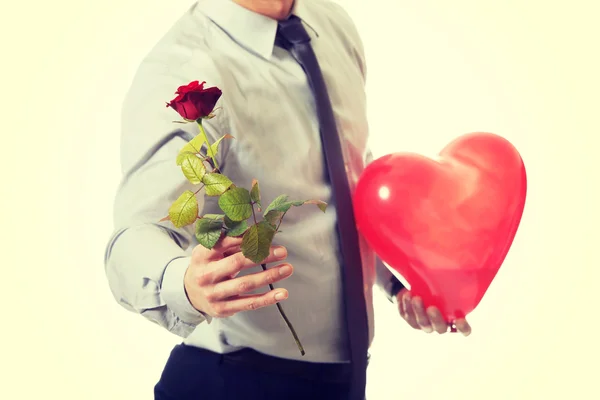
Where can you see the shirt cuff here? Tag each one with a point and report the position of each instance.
(174, 296)
(395, 288)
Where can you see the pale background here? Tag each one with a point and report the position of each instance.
(527, 70)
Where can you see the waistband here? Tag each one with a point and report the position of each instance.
(249, 358)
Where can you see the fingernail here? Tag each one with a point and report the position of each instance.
(428, 329)
(280, 252)
(285, 270)
(280, 296)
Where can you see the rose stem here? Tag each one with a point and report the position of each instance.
(285, 318)
(281, 312)
(209, 150)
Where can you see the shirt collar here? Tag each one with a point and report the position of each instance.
(254, 31)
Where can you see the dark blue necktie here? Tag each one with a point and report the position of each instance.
(292, 36)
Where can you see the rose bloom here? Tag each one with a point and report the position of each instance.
(193, 101)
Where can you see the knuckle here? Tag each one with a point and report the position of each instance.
(198, 254)
(253, 305)
(210, 296)
(202, 277)
(267, 302)
(272, 276)
(218, 310)
(238, 261)
(244, 286)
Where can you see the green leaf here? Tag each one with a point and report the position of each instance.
(256, 244)
(255, 193)
(215, 216)
(193, 168)
(184, 210)
(216, 184)
(193, 146)
(284, 205)
(208, 230)
(215, 146)
(183, 156)
(321, 204)
(280, 206)
(273, 217)
(235, 228)
(236, 204)
(276, 203)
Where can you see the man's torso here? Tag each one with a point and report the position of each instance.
(268, 108)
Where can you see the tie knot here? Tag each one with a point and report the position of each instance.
(292, 31)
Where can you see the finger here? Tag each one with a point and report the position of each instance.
(226, 244)
(408, 312)
(248, 283)
(202, 255)
(463, 326)
(232, 250)
(438, 322)
(250, 302)
(233, 264)
(422, 318)
(401, 306)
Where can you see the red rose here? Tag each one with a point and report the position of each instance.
(194, 102)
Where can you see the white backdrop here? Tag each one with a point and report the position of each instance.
(527, 70)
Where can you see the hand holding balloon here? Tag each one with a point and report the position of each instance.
(428, 319)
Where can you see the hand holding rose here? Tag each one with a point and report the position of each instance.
(212, 285)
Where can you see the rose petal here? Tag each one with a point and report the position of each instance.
(189, 87)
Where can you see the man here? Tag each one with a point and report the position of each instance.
(236, 345)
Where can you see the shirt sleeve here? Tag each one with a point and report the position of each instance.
(145, 260)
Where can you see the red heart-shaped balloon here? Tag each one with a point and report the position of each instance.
(447, 224)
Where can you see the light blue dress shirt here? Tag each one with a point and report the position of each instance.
(267, 105)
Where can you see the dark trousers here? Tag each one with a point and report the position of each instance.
(196, 374)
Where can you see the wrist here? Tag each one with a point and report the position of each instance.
(188, 283)
(174, 291)
(186, 278)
